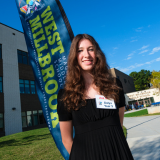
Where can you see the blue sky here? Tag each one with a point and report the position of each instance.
(127, 31)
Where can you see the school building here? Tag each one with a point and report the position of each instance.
(20, 109)
(147, 97)
(127, 81)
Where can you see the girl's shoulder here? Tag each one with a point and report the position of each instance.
(60, 93)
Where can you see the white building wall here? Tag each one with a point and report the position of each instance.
(10, 44)
(155, 93)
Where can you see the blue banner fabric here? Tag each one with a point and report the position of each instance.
(48, 37)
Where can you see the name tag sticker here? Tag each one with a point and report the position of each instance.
(104, 103)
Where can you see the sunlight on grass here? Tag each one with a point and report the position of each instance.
(35, 144)
(125, 131)
(140, 113)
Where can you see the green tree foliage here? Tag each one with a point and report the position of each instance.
(141, 79)
(155, 79)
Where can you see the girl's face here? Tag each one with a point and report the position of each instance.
(86, 55)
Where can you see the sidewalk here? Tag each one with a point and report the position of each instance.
(143, 137)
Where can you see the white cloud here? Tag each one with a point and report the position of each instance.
(133, 37)
(136, 65)
(143, 51)
(130, 54)
(158, 59)
(134, 40)
(115, 48)
(139, 65)
(149, 26)
(156, 49)
(144, 47)
(127, 69)
(150, 62)
(117, 67)
(139, 29)
(128, 58)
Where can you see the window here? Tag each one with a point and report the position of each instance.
(35, 118)
(41, 117)
(32, 86)
(32, 118)
(152, 100)
(24, 120)
(118, 77)
(0, 51)
(29, 118)
(125, 81)
(1, 122)
(23, 57)
(1, 85)
(27, 86)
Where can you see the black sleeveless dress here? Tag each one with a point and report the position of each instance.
(98, 133)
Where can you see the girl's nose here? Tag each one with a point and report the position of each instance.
(86, 53)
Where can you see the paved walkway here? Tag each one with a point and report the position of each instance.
(143, 137)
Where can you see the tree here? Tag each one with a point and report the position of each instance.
(155, 79)
(141, 79)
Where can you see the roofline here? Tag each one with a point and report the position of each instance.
(120, 71)
(11, 28)
(142, 90)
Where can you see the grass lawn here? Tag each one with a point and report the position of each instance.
(140, 113)
(125, 131)
(36, 144)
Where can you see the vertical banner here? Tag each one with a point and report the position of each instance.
(48, 37)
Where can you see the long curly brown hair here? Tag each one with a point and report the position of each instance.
(74, 89)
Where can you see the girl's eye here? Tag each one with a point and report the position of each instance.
(91, 49)
(79, 51)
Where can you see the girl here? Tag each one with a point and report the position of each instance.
(93, 102)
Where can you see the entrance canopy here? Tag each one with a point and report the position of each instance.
(148, 96)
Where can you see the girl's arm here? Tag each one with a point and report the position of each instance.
(121, 115)
(66, 128)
